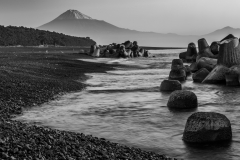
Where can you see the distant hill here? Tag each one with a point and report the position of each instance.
(11, 36)
(221, 33)
(73, 22)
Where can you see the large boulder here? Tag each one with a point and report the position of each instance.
(200, 75)
(204, 49)
(205, 127)
(182, 100)
(208, 63)
(170, 85)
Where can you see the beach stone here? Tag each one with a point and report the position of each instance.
(214, 48)
(182, 100)
(217, 75)
(193, 67)
(179, 75)
(200, 75)
(208, 63)
(170, 85)
(204, 49)
(177, 64)
(205, 127)
(229, 52)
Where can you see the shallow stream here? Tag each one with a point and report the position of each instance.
(125, 106)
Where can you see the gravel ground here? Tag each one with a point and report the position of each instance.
(30, 79)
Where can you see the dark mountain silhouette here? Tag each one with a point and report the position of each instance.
(74, 23)
(12, 36)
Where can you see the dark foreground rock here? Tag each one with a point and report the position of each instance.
(205, 127)
(30, 79)
(182, 100)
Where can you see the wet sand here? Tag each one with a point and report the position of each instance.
(29, 79)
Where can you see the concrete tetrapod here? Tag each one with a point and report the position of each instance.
(229, 55)
(182, 100)
(208, 63)
(214, 48)
(177, 64)
(204, 49)
(200, 75)
(170, 85)
(191, 53)
(205, 127)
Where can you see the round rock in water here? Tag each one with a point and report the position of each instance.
(170, 85)
(179, 75)
(200, 75)
(205, 127)
(182, 100)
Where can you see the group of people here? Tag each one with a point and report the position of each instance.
(127, 49)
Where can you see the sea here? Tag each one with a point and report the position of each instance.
(125, 106)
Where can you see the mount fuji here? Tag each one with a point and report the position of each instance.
(75, 23)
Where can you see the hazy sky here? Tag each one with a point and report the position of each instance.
(163, 16)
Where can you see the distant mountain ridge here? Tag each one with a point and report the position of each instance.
(73, 22)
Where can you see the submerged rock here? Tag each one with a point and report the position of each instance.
(182, 100)
(200, 75)
(204, 127)
(170, 85)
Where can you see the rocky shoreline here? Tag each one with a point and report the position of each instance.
(30, 79)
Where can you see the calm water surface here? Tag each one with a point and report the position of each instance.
(125, 106)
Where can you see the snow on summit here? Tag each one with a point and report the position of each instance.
(73, 14)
